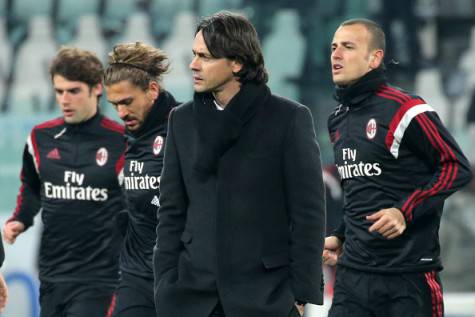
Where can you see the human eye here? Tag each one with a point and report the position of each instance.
(75, 91)
(205, 57)
(126, 102)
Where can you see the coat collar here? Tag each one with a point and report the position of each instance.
(219, 130)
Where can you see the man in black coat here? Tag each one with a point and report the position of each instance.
(242, 216)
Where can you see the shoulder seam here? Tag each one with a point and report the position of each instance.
(50, 124)
(112, 125)
(396, 95)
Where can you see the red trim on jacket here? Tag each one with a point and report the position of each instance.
(112, 125)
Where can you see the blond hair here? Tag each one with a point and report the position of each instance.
(136, 62)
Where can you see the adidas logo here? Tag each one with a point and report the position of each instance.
(155, 201)
(54, 154)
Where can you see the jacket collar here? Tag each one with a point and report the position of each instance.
(359, 91)
(94, 120)
(157, 115)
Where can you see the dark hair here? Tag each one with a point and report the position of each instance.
(378, 38)
(232, 36)
(136, 62)
(76, 64)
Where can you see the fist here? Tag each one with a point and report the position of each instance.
(11, 230)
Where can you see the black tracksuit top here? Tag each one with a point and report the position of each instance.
(142, 170)
(70, 172)
(392, 150)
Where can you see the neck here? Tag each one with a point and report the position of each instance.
(353, 93)
(224, 96)
(92, 114)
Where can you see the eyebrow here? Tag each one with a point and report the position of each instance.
(68, 89)
(344, 43)
(202, 54)
(125, 101)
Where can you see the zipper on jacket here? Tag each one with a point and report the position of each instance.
(74, 135)
(347, 120)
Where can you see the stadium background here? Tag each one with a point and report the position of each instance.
(432, 41)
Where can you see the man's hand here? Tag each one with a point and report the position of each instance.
(332, 250)
(11, 230)
(3, 293)
(390, 223)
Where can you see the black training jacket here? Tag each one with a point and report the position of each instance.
(392, 150)
(70, 172)
(142, 169)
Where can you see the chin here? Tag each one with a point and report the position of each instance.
(199, 89)
(70, 120)
(340, 82)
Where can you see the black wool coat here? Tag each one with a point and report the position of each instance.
(242, 210)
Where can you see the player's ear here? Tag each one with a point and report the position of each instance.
(97, 89)
(376, 58)
(153, 90)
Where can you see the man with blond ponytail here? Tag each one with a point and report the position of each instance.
(133, 84)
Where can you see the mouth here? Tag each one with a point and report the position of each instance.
(197, 79)
(130, 122)
(337, 67)
(68, 112)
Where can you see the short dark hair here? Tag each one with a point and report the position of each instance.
(139, 63)
(232, 36)
(378, 38)
(76, 64)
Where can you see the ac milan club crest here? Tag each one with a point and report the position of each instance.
(371, 128)
(157, 145)
(101, 156)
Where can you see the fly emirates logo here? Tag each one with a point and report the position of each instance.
(351, 168)
(133, 182)
(73, 189)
